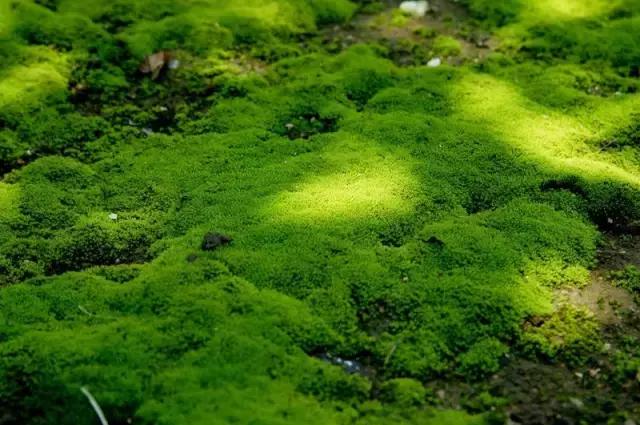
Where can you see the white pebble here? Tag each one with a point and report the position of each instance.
(434, 63)
(415, 8)
(577, 402)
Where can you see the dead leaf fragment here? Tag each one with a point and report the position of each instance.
(153, 64)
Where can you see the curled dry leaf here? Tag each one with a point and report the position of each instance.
(153, 64)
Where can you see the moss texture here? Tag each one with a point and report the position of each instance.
(391, 224)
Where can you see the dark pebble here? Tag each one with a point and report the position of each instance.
(212, 241)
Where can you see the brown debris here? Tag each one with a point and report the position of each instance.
(155, 63)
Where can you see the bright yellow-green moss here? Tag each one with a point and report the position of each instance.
(446, 46)
(361, 181)
(44, 76)
(8, 200)
(554, 139)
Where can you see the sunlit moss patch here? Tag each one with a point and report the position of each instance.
(354, 187)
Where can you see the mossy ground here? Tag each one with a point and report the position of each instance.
(397, 228)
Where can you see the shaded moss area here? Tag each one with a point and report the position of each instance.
(390, 228)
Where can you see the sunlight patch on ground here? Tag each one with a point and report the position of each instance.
(8, 200)
(558, 10)
(552, 138)
(26, 84)
(6, 18)
(363, 184)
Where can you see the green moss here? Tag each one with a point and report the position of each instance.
(332, 11)
(406, 219)
(482, 359)
(446, 46)
(399, 19)
(403, 391)
(39, 25)
(494, 13)
(39, 78)
(627, 278)
(103, 241)
(570, 335)
(626, 361)
(364, 75)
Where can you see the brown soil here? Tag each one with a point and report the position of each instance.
(541, 394)
(445, 17)
(608, 303)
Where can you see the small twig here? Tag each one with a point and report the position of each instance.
(391, 351)
(84, 310)
(95, 405)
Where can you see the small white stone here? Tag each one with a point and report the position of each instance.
(173, 64)
(415, 8)
(434, 63)
(577, 402)
(113, 216)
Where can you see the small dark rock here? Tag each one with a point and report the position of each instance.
(435, 242)
(192, 257)
(212, 241)
(569, 183)
(536, 321)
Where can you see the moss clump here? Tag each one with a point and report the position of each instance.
(627, 278)
(493, 13)
(446, 46)
(570, 335)
(482, 359)
(104, 241)
(364, 75)
(403, 391)
(332, 11)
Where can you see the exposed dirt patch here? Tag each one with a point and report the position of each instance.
(610, 305)
(618, 251)
(599, 391)
(410, 40)
(553, 394)
(607, 302)
(605, 389)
